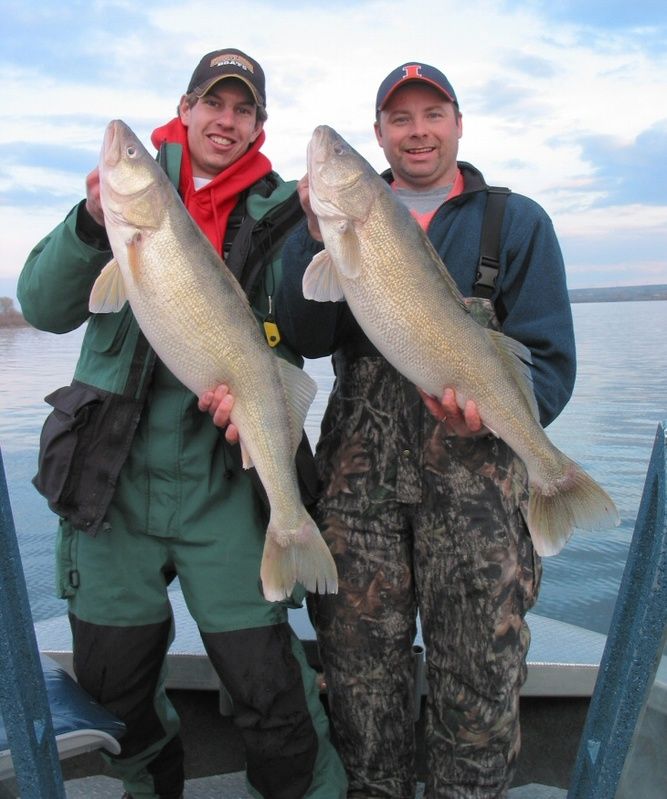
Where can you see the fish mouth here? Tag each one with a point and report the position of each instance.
(322, 144)
(118, 141)
(111, 145)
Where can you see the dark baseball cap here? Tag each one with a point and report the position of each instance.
(228, 63)
(413, 71)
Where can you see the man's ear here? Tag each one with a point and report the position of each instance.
(259, 127)
(378, 132)
(184, 109)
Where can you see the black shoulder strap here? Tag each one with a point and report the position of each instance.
(255, 240)
(244, 258)
(489, 255)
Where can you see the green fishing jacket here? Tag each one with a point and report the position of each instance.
(126, 431)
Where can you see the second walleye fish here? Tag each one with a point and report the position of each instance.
(381, 262)
(199, 322)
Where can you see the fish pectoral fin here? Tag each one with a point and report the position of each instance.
(108, 292)
(132, 247)
(300, 390)
(320, 280)
(350, 252)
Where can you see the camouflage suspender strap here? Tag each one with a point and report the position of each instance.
(489, 256)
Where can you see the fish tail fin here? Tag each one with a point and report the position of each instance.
(575, 501)
(297, 556)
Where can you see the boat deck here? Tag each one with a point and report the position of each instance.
(562, 668)
(563, 659)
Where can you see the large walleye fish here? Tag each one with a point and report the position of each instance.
(199, 322)
(381, 262)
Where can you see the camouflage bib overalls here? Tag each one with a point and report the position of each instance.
(421, 520)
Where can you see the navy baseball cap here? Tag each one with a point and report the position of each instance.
(221, 64)
(413, 71)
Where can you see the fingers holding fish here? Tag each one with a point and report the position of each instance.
(93, 200)
(218, 402)
(465, 422)
(304, 196)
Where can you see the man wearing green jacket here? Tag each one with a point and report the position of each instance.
(147, 487)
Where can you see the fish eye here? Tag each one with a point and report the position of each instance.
(339, 149)
(131, 150)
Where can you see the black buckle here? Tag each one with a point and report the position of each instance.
(487, 272)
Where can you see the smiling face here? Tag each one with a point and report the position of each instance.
(419, 130)
(221, 127)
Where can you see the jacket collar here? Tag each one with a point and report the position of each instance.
(473, 180)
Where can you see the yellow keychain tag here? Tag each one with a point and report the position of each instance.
(271, 331)
(270, 327)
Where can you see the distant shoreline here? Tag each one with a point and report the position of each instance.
(9, 316)
(13, 318)
(619, 294)
(14, 323)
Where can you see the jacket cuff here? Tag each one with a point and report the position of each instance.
(89, 231)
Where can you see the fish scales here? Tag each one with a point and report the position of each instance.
(379, 260)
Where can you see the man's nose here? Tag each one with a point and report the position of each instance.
(418, 127)
(226, 117)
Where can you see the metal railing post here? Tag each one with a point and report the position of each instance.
(634, 644)
(23, 698)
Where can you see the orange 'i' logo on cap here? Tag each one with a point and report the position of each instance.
(412, 71)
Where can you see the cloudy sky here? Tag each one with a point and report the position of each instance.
(563, 101)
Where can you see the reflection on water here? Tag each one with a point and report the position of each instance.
(608, 427)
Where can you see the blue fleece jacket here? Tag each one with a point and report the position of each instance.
(530, 294)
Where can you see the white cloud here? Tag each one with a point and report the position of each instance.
(530, 88)
(624, 219)
(26, 231)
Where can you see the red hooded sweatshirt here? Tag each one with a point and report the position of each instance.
(211, 205)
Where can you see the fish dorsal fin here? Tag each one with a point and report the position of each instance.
(442, 268)
(320, 280)
(300, 391)
(108, 292)
(517, 359)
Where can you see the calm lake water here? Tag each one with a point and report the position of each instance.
(609, 427)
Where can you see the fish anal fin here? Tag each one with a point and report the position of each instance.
(516, 358)
(246, 460)
(320, 280)
(300, 390)
(108, 292)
